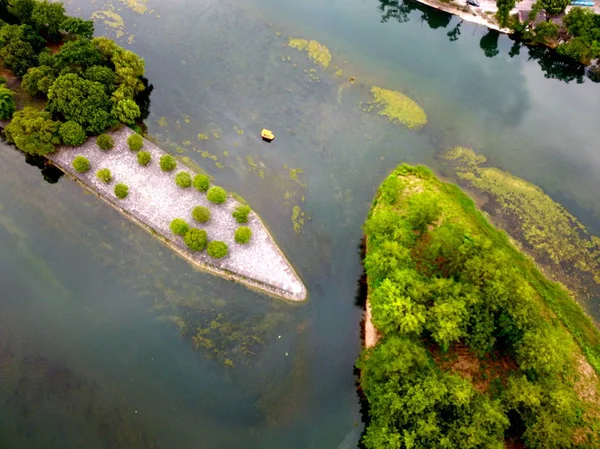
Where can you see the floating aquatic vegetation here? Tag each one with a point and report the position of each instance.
(138, 6)
(238, 130)
(318, 52)
(186, 143)
(216, 135)
(202, 136)
(339, 72)
(111, 20)
(297, 219)
(397, 107)
(294, 172)
(162, 121)
(546, 226)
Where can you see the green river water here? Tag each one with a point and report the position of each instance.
(97, 317)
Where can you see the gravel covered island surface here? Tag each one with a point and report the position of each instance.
(154, 200)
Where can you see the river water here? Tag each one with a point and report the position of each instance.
(108, 340)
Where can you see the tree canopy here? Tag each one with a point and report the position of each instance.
(85, 102)
(33, 131)
(91, 82)
(447, 290)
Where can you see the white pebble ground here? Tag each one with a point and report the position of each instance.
(155, 200)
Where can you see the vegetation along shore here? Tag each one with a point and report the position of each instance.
(475, 348)
(70, 87)
(573, 31)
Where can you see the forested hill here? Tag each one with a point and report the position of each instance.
(85, 85)
(477, 348)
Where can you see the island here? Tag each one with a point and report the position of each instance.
(80, 102)
(467, 343)
(215, 231)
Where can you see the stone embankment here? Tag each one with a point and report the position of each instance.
(154, 200)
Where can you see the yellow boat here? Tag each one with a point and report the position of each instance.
(267, 135)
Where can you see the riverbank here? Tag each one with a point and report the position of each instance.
(154, 200)
(457, 306)
(484, 15)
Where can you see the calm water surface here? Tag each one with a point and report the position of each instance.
(97, 317)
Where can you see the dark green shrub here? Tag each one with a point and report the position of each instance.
(179, 226)
(201, 214)
(201, 182)
(121, 191)
(104, 175)
(241, 213)
(183, 179)
(243, 234)
(72, 133)
(135, 142)
(81, 164)
(105, 142)
(167, 162)
(216, 195)
(7, 103)
(195, 239)
(217, 249)
(144, 158)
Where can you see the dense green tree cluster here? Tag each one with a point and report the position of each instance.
(440, 277)
(89, 81)
(584, 27)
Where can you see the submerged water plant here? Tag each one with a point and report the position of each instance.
(552, 233)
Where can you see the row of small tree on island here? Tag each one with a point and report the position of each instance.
(194, 238)
(89, 84)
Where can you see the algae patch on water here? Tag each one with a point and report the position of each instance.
(397, 107)
(138, 6)
(111, 20)
(544, 225)
(318, 52)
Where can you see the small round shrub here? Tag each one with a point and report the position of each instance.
(135, 142)
(121, 191)
(183, 179)
(201, 214)
(72, 133)
(167, 162)
(195, 239)
(104, 175)
(144, 158)
(81, 164)
(241, 213)
(217, 249)
(105, 142)
(179, 226)
(216, 195)
(243, 234)
(201, 182)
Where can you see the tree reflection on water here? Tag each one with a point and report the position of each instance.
(551, 63)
